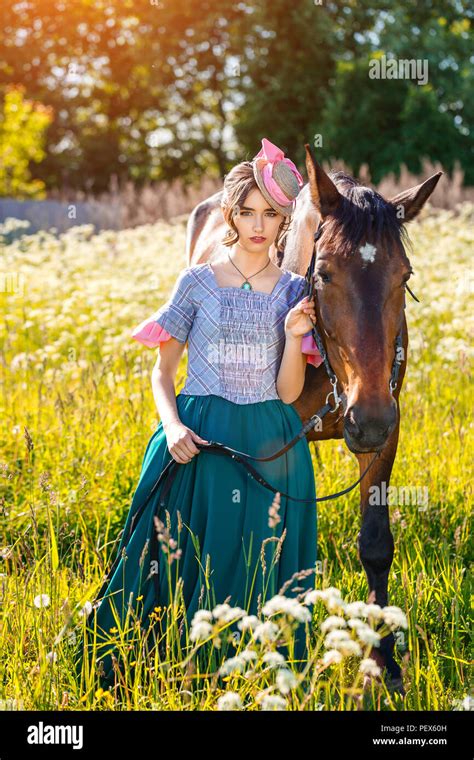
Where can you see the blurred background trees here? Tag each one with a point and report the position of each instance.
(22, 137)
(146, 90)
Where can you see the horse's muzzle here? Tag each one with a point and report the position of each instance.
(367, 428)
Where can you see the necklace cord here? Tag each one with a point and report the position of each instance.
(246, 279)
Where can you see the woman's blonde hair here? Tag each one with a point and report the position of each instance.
(238, 183)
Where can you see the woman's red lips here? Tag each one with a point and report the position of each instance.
(258, 239)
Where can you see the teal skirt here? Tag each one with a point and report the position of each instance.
(217, 517)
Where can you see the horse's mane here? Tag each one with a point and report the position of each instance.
(363, 213)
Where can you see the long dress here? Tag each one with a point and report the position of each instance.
(215, 513)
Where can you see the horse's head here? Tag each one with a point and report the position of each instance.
(360, 274)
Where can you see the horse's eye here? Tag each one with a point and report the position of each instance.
(324, 276)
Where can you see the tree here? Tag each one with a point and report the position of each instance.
(389, 122)
(288, 56)
(23, 125)
(139, 88)
(159, 89)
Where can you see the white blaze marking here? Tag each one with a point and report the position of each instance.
(367, 252)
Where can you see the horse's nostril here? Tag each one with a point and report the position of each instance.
(351, 423)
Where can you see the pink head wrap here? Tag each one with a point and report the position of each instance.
(268, 156)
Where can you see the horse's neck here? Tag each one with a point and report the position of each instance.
(299, 238)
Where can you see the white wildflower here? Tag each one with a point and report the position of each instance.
(286, 680)
(350, 647)
(248, 655)
(276, 604)
(42, 600)
(52, 656)
(333, 600)
(334, 621)
(233, 614)
(286, 606)
(466, 703)
(374, 611)
(335, 636)
(368, 636)
(394, 617)
(273, 659)
(332, 591)
(221, 610)
(311, 597)
(332, 656)
(341, 640)
(356, 623)
(369, 668)
(249, 621)
(201, 615)
(329, 595)
(267, 631)
(300, 613)
(200, 631)
(86, 610)
(225, 614)
(11, 704)
(229, 701)
(356, 609)
(272, 702)
(232, 665)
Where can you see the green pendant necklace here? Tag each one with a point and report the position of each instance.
(246, 284)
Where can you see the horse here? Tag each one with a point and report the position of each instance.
(360, 276)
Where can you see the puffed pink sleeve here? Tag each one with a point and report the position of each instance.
(172, 320)
(309, 347)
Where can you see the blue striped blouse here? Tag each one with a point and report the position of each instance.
(235, 337)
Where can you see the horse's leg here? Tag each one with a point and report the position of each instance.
(375, 544)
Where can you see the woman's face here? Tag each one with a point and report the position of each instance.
(257, 222)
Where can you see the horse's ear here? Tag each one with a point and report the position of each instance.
(324, 193)
(410, 202)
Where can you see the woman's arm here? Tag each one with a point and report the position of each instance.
(180, 438)
(162, 380)
(291, 375)
(290, 380)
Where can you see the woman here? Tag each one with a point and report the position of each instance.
(244, 320)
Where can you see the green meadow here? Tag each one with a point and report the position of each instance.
(77, 413)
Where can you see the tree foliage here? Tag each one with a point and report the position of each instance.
(22, 135)
(156, 89)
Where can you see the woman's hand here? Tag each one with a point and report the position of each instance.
(300, 318)
(180, 440)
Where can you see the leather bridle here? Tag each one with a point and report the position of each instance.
(310, 290)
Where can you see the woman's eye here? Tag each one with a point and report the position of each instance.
(248, 213)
